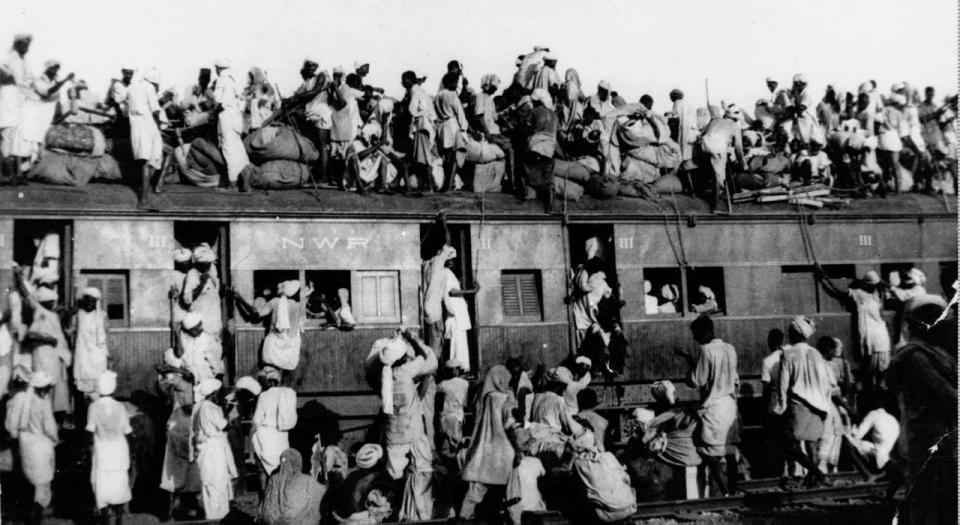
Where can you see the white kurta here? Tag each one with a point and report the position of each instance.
(207, 304)
(275, 415)
(12, 96)
(179, 474)
(109, 423)
(217, 469)
(281, 346)
(228, 93)
(457, 322)
(145, 137)
(90, 352)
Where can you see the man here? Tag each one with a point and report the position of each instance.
(30, 421)
(145, 139)
(550, 409)
(274, 417)
(718, 137)
(201, 290)
(454, 393)
(230, 101)
(217, 469)
(201, 352)
(51, 354)
(547, 77)
(109, 423)
(90, 354)
(803, 397)
(773, 424)
(930, 114)
(464, 93)
(485, 122)
(40, 106)
(308, 72)
(602, 101)
(198, 100)
(576, 380)
(180, 475)
(372, 163)
(117, 94)
(923, 375)
(405, 361)
(15, 82)
(687, 131)
(345, 122)
(893, 130)
(715, 374)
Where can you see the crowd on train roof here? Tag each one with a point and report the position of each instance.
(537, 135)
(446, 444)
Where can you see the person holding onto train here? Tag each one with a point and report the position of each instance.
(180, 475)
(15, 85)
(287, 314)
(201, 353)
(30, 421)
(144, 110)
(804, 398)
(90, 353)
(217, 469)
(201, 290)
(453, 391)
(109, 423)
(273, 418)
(715, 374)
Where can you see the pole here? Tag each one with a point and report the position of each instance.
(706, 85)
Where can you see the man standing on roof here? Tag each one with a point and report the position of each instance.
(687, 130)
(718, 137)
(485, 121)
(38, 111)
(228, 95)
(145, 139)
(15, 81)
(308, 72)
(547, 77)
(715, 374)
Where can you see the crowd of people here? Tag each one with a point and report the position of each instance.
(447, 446)
(541, 136)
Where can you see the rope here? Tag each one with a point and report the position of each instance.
(476, 259)
(678, 254)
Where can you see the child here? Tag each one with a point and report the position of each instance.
(837, 422)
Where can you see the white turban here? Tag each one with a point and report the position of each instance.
(708, 293)
(917, 276)
(270, 372)
(290, 288)
(371, 132)
(390, 351)
(591, 246)
(51, 63)
(40, 379)
(170, 358)
(209, 386)
(670, 292)
(152, 75)
(665, 391)
(604, 84)
(802, 325)
(647, 286)
(490, 80)
(182, 255)
(204, 254)
(44, 294)
(191, 320)
(250, 385)
(223, 62)
(369, 455)
(454, 363)
(872, 277)
(91, 292)
(107, 383)
(643, 415)
(584, 360)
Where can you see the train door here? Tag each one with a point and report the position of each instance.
(432, 238)
(45, 249)
(592, 246)
(190, 234)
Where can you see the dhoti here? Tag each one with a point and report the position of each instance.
(229, 127)
(217, 471)
(145, 140)
(268, 445)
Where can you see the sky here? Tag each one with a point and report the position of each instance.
(640, 46)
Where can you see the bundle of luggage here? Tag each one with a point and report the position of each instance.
(813, 196)
(282, 158)
(74, 156)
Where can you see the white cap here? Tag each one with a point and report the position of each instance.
(107, 383)
(191, 320)
(90, 292)
(209, 386)
(799, 77)
(604, 84)
(223, 62)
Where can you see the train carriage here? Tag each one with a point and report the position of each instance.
(757, 260)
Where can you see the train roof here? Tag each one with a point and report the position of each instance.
(180, 201)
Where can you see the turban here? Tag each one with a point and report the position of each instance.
(898, 87)
(191, 320)
(90, 292)
(371, 131)
(543, 96)
(454, 363)
(563, 375)
(290, 288)
(51, 63)
(249, 384)
(584, 360)
(107, 383)
(896, 99)
(44, 294)
(490, 80)
(604, 84)
(670, 292)
(182, 255)
(360, 63)
(204, 254)
(707, 292)
(369, 455)
(550, 56)
(647, 286)
(385, 106)
(223, 63)
(171, 359)
(916, 276)
(338, 70)
(664, 391)
(40, 379)
(152, 75)
(591, 246)
(802, 325)
(871, 277)
(799, 78)
(643, 415)
(389, 351)
(287, 290)
(22, 37)
(209, 386)
(270, 372)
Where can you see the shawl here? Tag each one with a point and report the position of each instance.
(292, 497)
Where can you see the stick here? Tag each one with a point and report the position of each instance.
(706, 85)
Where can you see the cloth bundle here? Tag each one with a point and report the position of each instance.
(279, 143)
(76, 139)
(607, 485)
(279, 175)
(204, 164)
(66, 169)
(481, 151)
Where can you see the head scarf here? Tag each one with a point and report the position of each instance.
(802, 325)
(572, 78)
(107, 383)
(291, 497)
(496, 380)
(250, 385)
(541, 95)
(203, 253)
(369, 455)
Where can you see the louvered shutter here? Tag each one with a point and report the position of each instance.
(511, 295)
(521, 296)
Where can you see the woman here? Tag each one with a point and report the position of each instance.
(452, 125)
(572, 100)
(217, 469)
(109, 423)
(287, 313)
(292, 497)
(490, 457)
(419, 106)
(262, 99)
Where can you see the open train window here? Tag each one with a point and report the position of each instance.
(948, 276)
(886, 269)
(597, 239)
(114, 293)
(378, 297)
(798, 290)
(265, 283)
(841, 275)
(665, 291)
(522, 295)
(45, 247)
(711, 278)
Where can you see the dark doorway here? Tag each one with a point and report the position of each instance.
(28, 237)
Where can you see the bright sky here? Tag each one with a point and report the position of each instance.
(648, 46)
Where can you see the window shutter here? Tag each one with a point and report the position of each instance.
(378, 300)
(388, 293)
(798, 292)
(521, 295)
(511, 295)
(530, 300)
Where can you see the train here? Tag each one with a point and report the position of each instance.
(757, 258)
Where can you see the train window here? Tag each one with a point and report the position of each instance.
(798, 290)
(594, 243)
(948, 276)
(114, 293)
(711, 279)
(265, 283)
(664, 297)
(327, 286)
(378, 297)
(841, 275)
(886, 269)
(45, 247)
(522, 295)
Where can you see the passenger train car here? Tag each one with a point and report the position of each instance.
(756, 259)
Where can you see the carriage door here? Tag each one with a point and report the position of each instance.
(190, 234)
(431, 240)
(601, 237)
(45, 249)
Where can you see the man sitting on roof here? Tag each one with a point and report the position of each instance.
(371, 162)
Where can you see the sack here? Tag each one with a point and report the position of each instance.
(486, 177)
(76, 139)
(668, 183)
(607, 485)
(603, 186)
(482, 151)
(638, 190)
(570, 170)
(633, 170)
(279, 175)
(572, 190)
(279, 143)
(64, 169)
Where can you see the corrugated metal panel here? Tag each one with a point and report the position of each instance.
(535, 343)
(135, 354)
